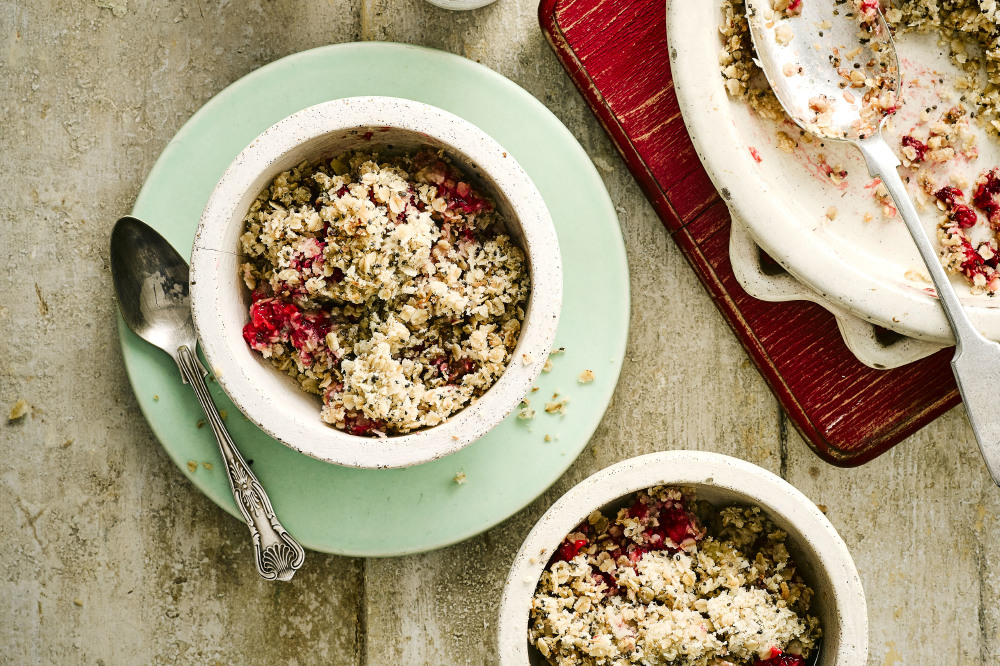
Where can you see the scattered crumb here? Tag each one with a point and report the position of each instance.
(558, 350)
(207, 465)
(548, 365)
(791, 69)
(821, 507)
(556, 406)
(223, 414)
(586, 377)
(786, 143)
(525, 414)
(78, 602)
(156, 398)
(783, 34)
(19, 410)
(548, 438)
(534, 388)
(831, 213)
(527, 359)
(200, 423)
(68, 442)
(460, 478)
(192, 466)
(454, 436)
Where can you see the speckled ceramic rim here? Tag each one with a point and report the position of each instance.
(708, 114)
(220, 302)
(821, 553)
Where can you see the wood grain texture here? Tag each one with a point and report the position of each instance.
(97, 514)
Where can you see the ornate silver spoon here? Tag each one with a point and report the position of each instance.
(151, 281)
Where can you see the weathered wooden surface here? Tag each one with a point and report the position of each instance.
(109, 556)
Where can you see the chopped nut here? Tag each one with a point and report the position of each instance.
(557, 406)
(459, 478)
(18, 411)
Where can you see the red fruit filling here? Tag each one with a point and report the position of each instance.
(669, 527)
(917, 145)
(780, 659)
(458, 195)
(868, 7)
(454, 370)
(356, 423)
(984, 197)
(973, 264)
(794, 8)
(964, 216)
(273, 320)
(569, 549)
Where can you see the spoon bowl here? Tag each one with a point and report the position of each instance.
(151, 280)
(835, 71)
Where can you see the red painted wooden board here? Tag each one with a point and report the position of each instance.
(616, 53)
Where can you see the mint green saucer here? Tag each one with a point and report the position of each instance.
(395, 512)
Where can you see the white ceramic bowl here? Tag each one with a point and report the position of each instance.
(221, 302)
(822, 557)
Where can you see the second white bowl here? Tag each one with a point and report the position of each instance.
(821, 554)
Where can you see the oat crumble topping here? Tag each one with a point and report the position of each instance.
(388, 287)
(670, 580)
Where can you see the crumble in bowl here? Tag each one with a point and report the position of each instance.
(671, 580)
(389, 287)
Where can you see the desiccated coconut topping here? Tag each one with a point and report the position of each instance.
(388, 287)
(671, 580)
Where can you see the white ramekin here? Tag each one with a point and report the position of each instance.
(220, 301)
(822, 557)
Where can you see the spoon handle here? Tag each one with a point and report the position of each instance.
(278, 556)
(977, 360)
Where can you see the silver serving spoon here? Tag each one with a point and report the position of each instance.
(834, 68)
(151, 281)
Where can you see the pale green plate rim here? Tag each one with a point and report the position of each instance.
(395, 512)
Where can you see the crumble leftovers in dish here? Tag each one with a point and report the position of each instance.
(938, 153)
(961, 23)
(671, 580)
(388, 287)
